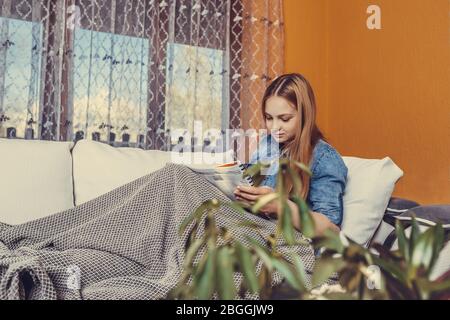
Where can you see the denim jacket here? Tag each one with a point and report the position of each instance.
(328, 180)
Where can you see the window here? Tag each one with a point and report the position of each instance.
(195, 80)
(20, 69)
(109, 86)
(126, 74)
(110, 80)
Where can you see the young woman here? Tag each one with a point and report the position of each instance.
(289, 111)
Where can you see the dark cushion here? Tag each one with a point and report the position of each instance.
(428, 215)
(397, 205)
(425, 215)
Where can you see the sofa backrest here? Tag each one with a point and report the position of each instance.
(43, 178)
(99, 168)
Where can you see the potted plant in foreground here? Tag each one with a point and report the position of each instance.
(213, 255)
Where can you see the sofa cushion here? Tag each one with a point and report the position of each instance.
(428, 215)
(99, 168)
(36, 179)
(370, 183)
(396, 206)
(425, 216)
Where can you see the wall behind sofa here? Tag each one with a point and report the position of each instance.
(380, 92)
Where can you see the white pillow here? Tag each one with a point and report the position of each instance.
(99, 168)
(370, 183)
(36, 179)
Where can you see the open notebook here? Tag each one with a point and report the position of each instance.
(225, 176)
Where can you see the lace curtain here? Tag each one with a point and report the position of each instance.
(148, 73)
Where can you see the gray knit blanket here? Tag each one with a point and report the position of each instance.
(122, 245)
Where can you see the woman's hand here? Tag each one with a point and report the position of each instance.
(251, 194)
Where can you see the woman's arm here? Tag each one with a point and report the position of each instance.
(251, 195)
(328, 181)
(321, 222)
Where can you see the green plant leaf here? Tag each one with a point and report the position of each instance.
(287, 273)
(355, 253)
(225, 282)
(262, 201)
(205, 275)
(434, 286)
(287, 227)
(303, 167)
(262, 253)
(296, 243)
(197, 214)
(386, 254)
(253, 169)
(307, 225)
(236, 206)
(280, 185)
(192, 251)
(324, 268)
(191, 236)
(249, 224)
(439, 238)
(402, 241)
(423, 249)
(329, 241)
(391, 268)
(398, 290)
(350, 277)
(300, 271)
(415, 233)
(247, 267)
(244, 205)
(265, 283)
(297, 183)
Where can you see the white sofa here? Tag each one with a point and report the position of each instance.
(41, 178)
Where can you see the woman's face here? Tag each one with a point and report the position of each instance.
(282, 119)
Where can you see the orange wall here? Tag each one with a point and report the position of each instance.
(306, 47)
(381, 92)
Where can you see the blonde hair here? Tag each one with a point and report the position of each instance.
(297, 90)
